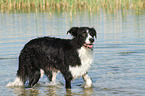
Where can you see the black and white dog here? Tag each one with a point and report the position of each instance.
(48, 55)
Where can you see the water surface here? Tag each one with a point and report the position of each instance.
(119, 51)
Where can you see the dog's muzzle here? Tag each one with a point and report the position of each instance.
(90, 46)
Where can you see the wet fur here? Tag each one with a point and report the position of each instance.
(48, 55)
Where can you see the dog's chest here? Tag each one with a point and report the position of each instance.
(86, 57)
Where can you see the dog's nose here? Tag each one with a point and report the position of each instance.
(91, 40)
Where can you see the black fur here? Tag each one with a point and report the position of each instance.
(52, 55)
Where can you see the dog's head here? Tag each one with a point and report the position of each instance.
(85, 35)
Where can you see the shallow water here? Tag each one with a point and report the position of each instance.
(119, 51)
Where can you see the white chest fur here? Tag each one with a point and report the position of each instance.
(86, 57)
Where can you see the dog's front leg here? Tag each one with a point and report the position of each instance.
(67, 84)
(88, 81)
(68, 79)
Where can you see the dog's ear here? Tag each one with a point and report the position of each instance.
(94, 32)
(73, 31)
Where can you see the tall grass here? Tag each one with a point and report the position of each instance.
(69, 5)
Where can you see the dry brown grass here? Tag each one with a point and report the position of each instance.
(71, 5)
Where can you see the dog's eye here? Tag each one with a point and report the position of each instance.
(92, 34)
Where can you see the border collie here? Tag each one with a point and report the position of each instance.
(49, 55)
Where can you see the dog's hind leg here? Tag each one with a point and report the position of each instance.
(51, 75)
(54, 74)
(34, 78)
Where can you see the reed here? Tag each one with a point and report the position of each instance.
(70, 5)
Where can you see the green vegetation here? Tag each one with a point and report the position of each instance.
(69, 5)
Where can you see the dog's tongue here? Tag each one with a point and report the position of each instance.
(88, 45)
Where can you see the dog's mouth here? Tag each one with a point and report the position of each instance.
(90, 46)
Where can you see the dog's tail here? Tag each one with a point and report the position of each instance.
(22, 73)
(16, 82)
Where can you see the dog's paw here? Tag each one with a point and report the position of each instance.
(88, 86)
